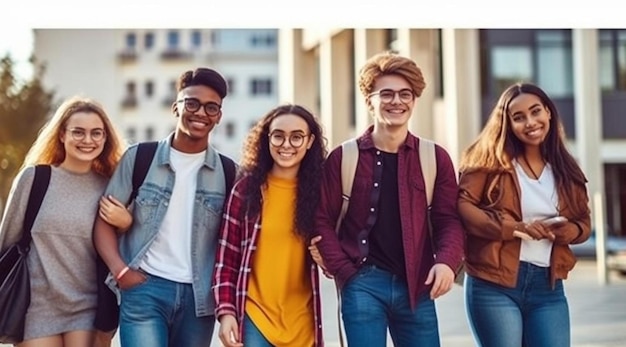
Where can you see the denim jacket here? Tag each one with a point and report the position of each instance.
(149, 208)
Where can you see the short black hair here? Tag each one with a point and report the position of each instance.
(203, 77)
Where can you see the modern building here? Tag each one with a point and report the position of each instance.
(133, 73)
(584, 70)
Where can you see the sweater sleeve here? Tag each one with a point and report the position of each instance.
(15, 209)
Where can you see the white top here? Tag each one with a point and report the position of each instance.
(169, 254)
(539, 200)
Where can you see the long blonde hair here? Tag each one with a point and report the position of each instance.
(48, 148)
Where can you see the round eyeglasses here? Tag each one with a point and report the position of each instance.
(296, 140)
(387, 95)
(79, 134)
(193, 105)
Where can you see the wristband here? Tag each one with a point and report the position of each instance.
(122, 273)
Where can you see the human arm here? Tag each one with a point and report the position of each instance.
(115, 213)
(447, 230)
(338, 264)
(481, 219)
(229, 253)
(317, 257)
(577, 229)
(15, 208)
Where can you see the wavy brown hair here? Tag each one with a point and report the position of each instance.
(257, 161)
(48, 148)
(390, 63)
(497, 146)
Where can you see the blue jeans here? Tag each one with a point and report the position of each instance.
(531, 314)
(161, 313)
(375, 300)
(252, 336)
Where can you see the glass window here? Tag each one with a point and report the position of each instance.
(621, 59)
(172, 39)
(554, 63)
(149, 134)
(196, 38)
(606, 67)
(130, 88)
(261, 86)
(149, 40)
(149, 88)
(231, 85)
(131, 40)
(510, 65)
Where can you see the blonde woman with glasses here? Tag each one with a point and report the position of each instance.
(82, 148)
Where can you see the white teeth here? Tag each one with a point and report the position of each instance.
(199, 124)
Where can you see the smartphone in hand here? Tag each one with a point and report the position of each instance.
(554, 221)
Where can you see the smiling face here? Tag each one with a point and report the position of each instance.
(293, 131)
(193, 128)
(83, 139)
(529, 119)
(394, 113)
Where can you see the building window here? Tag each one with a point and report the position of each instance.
(130, 98)
(612, 60)
(172, 39)
(131, 40)
(131, 135)
(170, 96)
(149, 88)
(149, 41)
(230, 129)
(196, 39)
(261, 86)
(554, 62)
(215, 37)
(149, 134)
(510, 65)
(231, 85)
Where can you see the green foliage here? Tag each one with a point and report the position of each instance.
(24, 108)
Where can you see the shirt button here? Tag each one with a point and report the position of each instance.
(375, 184)
(378, 163)
(372, 209)
(377, 152)
(364, 259)
(363, 241)
(166, 203)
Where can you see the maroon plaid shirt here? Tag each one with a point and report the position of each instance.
(237, 243)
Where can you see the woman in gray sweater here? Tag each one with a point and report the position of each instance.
(82, 148)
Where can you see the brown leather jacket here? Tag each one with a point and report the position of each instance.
(492, 252)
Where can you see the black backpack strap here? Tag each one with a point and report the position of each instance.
(143, 159)
(229, 172)
(37, 193)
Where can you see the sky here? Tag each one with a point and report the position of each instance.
(19, 20)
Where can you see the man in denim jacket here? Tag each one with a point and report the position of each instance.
(161, 268)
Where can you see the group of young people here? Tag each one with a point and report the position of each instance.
(194, 245)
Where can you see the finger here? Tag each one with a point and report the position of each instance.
(115, 202)
(430, 277)
(315, 240)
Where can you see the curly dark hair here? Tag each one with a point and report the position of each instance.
(257, 161)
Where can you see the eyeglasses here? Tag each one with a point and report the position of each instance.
(79, 134)
(192, 105)
(387, 95)
(296, 140)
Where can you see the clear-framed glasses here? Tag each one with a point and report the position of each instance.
(278, 138)
(387, 95)
(193, 105)
(79, 134)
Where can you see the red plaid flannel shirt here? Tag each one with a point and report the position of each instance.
(237, 243)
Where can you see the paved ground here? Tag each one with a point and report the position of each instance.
(598, 313)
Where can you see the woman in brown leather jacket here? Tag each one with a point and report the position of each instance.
(515, 178)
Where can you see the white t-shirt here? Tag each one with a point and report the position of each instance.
(169, 254)
(539, 200)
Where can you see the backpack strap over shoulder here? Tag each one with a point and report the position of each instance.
(428, 162)
(349, 160)
(143, 159)
(230, 170)
(37, 193)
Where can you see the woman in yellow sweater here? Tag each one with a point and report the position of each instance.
(265, 284)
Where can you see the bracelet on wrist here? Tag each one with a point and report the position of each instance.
(122, 273)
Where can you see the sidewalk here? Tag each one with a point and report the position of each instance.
(598, 313)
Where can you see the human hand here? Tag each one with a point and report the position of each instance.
(115, 213)
(443, 278)
(317, 257)
(130, 279)
(537, 230)
(229, 331)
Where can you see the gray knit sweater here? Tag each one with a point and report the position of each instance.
(62, 257)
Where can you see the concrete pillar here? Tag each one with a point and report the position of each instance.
(461, 90)
(336, 81)
(420, 45)
(297, 71)
(367, 42)
(588, 110)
